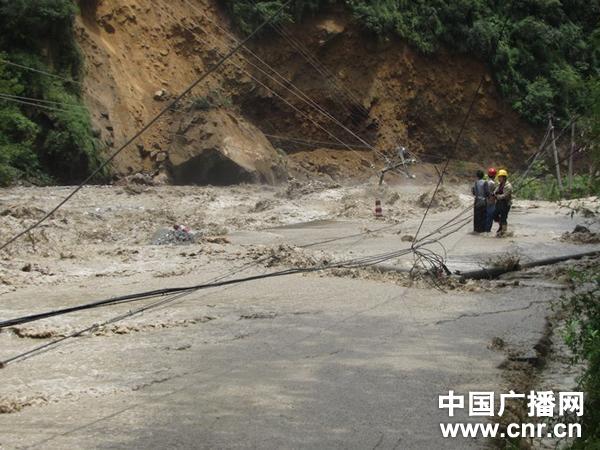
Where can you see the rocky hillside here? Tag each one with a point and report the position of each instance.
(139, 55)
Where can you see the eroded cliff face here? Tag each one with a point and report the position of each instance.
(140, 54)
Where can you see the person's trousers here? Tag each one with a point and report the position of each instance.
(502, 209)
(479, 218)
(489, 217)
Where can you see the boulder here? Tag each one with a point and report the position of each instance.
(218, 147)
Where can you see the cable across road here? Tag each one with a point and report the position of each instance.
(161, 302)
(349, 264)
(178, 292)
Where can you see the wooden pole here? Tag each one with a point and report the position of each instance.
(556, 162)
(494, 272)
(571, 159)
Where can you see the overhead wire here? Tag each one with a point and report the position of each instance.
(43, 101)
(459, 221)
(38, 105)
(214, 282)
(42, 72)
(417, 245)
(219, 282)
(320, 67)
(529, 180)
(544, 146)
(233, 38)
(350, 100)
(44, 104)
(296, 91)
(284, 82)
(68, 80)
(308, 141)
(171, 298)
(294, 107)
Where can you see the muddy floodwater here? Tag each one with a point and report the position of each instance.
(345, 358)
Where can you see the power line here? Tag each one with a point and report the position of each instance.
(455, 146)
(353, 263)
(65, 79)
(294, 89)
(356, 262)
(39, 100)
(148, 125)
(43, 72)
(320, 68)
(38, 105)
(308, 141)
(544, 146)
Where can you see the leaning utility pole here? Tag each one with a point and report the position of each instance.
(556, 162)
(571, 159)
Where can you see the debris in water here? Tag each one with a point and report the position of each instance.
(507, 261)
(581, 235)
(179, 234)
(259, 315)
(497, 343)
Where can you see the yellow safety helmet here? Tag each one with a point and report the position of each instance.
(502, 173)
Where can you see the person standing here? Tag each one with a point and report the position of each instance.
(503, 195)
(479, 207)
(491, 200)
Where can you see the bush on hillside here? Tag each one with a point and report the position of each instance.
(52, 142)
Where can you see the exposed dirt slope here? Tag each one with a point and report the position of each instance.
(136, 50)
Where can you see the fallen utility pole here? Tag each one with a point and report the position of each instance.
(495, 272)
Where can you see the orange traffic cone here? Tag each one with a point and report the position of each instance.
(378, 210)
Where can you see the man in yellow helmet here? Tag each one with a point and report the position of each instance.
(503, 196)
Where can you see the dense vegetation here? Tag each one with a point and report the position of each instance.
(583, 336)
(52, 142)
(544, 54)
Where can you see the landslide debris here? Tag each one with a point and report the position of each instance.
(444, 199)
(581, 235)
(138, 57)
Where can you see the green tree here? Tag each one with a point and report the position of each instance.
(538, 101)
(56, 142)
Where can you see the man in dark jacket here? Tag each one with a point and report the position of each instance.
(491, 200)
(480, 192)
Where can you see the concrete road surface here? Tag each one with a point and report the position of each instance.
(305, 361)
